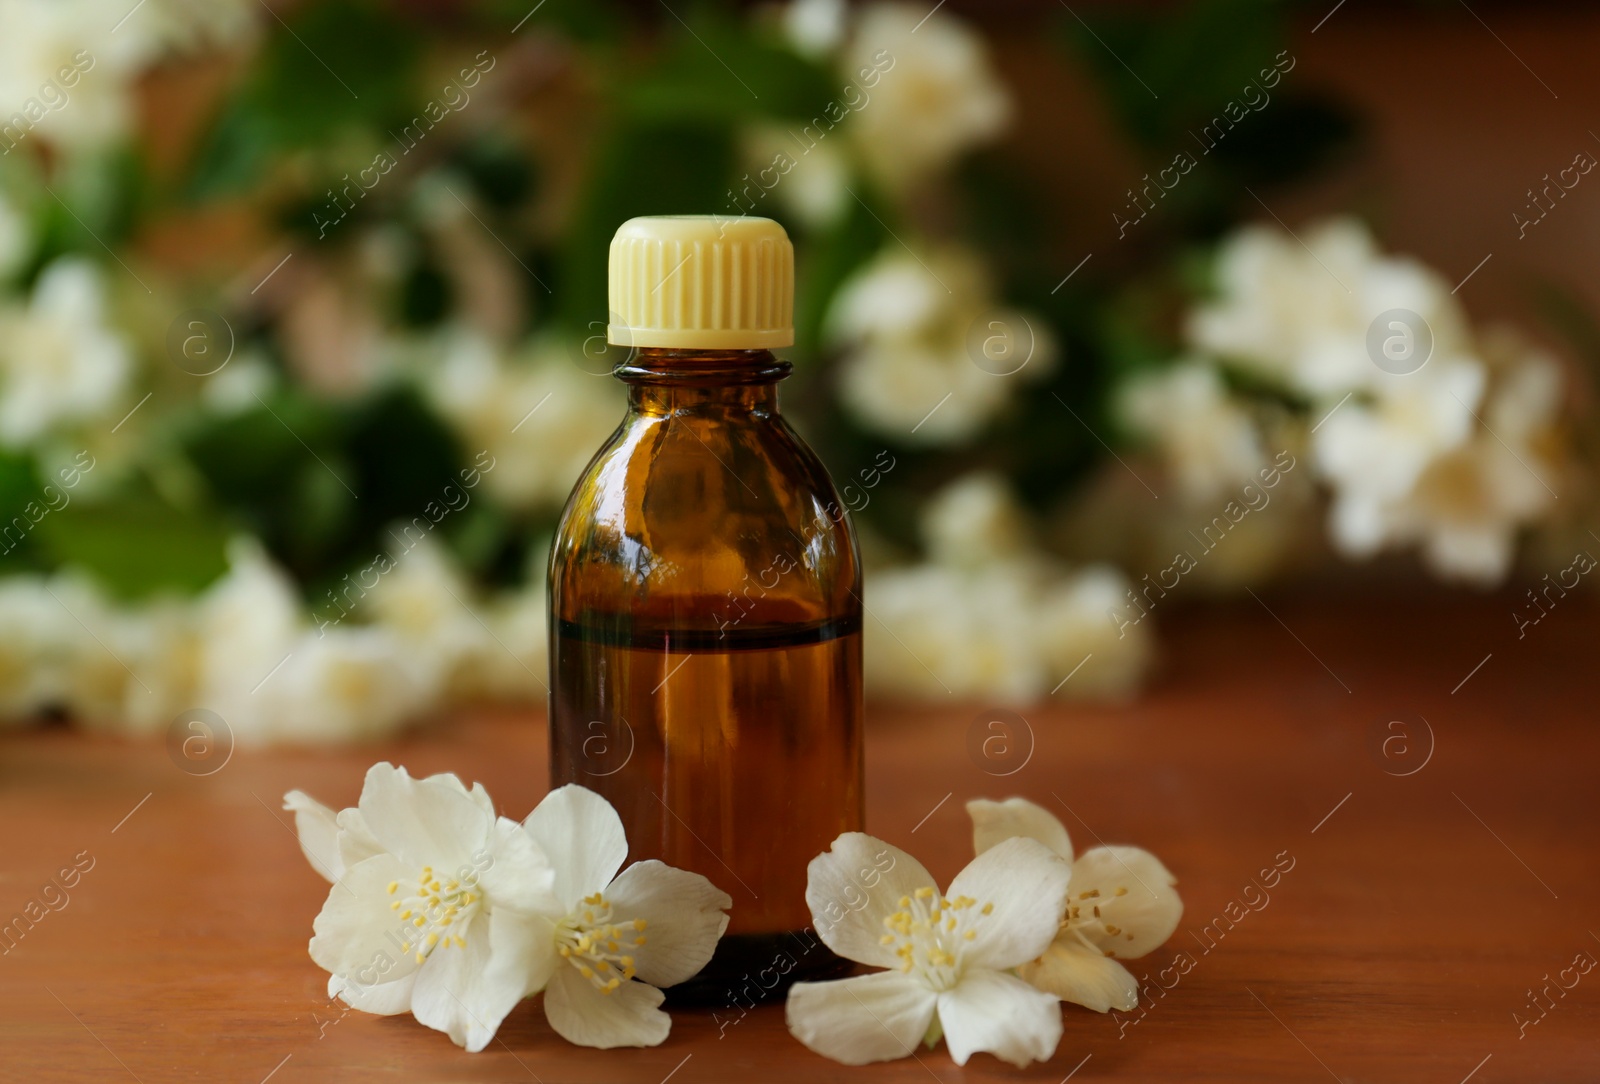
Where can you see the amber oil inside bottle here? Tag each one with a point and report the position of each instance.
(706, 652)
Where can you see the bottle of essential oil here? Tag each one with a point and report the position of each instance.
(705, 606)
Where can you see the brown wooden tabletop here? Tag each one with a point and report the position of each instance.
(1438, 889)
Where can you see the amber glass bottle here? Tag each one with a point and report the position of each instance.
(705, 612)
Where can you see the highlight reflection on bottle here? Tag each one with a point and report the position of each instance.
(705, 613)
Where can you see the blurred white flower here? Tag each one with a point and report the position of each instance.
(39, 642)
(918, 394)
(240, 384)
(814, 27)
(1072, 628)
(248, 650)
(1299, 314)
(939, 98)
(1373, 453)
(899, 295)
(1207, 438)
(60, 362)
(975, 521)
(180, 25)
(992, 618)
(1467, 501)
(538, 415)
(511, 665)
(351, 683)
(1473, 504)
(1455, 455)
(248, 622)
(916, 331)
(426, 603)
(272, 677)
(942, 632)
(161, 644)
(809, 180)
(67, 67)
(109, 645)
(69, 648)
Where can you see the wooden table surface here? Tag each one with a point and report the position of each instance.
(1437, 886)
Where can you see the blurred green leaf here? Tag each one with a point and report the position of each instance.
(641, 168)
(135, 546)
(1162, 76)
(339, 68)
(582, 20)
(1215, 81)
(19, 486)
(717, 67)
(829, 258)
(321, 483)
(1567, 314)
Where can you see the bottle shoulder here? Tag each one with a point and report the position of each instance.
(683, 516)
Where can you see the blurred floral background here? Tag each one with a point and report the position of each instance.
(302, 310)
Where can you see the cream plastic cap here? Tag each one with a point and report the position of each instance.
(706, 282)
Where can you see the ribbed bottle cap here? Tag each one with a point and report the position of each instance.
(702, 282)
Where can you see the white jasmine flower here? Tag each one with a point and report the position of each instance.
(540, 416)
(1122, 905)
(1208, 440)
(60, 362)
(431, 906)
(948, 956)
(610, 940)
(939, 98)
(910, 369)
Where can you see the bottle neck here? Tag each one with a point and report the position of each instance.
(662, 381)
